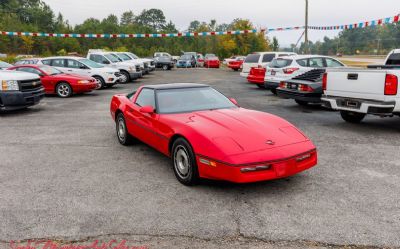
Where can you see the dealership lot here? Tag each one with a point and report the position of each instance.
(63, 175)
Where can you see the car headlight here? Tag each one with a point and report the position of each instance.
(9, 85)
(83, 82)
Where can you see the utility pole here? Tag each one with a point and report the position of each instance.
(306, 31)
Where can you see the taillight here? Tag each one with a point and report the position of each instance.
(290, 70)
(305, 88)
(324, 81)
(391, 83)
(282, 84)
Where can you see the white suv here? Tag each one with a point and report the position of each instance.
(260, 59)
(150, 64)
(128, 71)
(106, 76)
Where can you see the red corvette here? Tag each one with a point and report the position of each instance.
(209, 136)
(56, 82)
(211, 62)
(256, 76)
(236, 64)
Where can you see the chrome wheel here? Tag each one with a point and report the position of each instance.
(121, 130)
(63, 90)
(181, 161)
(124, 77)
(165, 67)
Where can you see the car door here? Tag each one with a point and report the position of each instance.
(143, 125)
(59, 63)
(46, 80)
(75, 67)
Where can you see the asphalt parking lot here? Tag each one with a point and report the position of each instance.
(64, 176)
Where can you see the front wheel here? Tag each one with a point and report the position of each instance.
(184, 162)
(123, 136)
(125, 78)
(101, 81)
(352, 117)
(165, 67)
(63, 90)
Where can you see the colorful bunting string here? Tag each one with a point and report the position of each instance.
(383, 21)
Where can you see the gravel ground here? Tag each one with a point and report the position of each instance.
(64, 176)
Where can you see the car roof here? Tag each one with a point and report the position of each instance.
(306, 56)
(175, 86)
(261, 53)
(63, 57)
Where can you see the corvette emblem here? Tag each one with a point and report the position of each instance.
(270, 142)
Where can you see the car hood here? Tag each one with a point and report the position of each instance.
(15, 75)
(106, 69)
(237, 131)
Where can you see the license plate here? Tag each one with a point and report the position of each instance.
(351, 104)
(292, 86)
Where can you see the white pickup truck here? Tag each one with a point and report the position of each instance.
(356, 92)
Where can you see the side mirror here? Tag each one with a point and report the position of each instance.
(234, 101)
(147, 109)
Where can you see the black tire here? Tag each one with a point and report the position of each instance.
(352, 117)
(126, 78)
(123, 136)
(236, 69)
(301, 102)
(63, 90)
(261, 86)
(101, 80)
(273, 91)
(184, 162)
(165, 67)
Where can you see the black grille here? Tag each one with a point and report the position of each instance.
(314, 75)
(137, 68)
(146, 65)
(30, 85)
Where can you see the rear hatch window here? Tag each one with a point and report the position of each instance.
(279, 63)
(252, 58)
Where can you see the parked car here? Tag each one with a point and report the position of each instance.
(4, 65)
(186, 61)
(237, 63)
(200, 60)
(356, 92)
(211, 62)
(211, 139)
(194, 54)
(161, 54)
(260, 59)
(106, 76)
(19, 90)
(124, 57)
(164, 62)
(56, 82)
(285, 68)
(256, 76)
(28, 61)
(128, 71)
(232, 58)
(148, 63)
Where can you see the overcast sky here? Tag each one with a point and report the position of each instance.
(263, 13)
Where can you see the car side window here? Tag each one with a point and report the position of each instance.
(46, 62)
(74, 64)
(268, 57)
(316, 62)
(332, 63)
(57, 63)
(302, 62)
(146, 97)
(29, 70)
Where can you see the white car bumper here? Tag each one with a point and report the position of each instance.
(360, 105)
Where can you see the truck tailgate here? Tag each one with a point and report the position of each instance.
(356, 83)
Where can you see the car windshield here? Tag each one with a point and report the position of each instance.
(90, 63)
(191, 99)
(50, 70)
(112, 58)
(4, 64)
(133, 56)
(124, 57)
(279, 63)
(186, 57)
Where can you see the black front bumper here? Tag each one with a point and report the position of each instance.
(302, 96)
(15, 100)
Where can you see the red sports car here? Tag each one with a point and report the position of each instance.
(256, 76)
(56, 82)
(236, 64)
(209, 136)
(211, 62)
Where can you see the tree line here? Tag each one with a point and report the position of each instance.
(37, 16)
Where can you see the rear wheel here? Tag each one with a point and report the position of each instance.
(352, 117)
(261, 86)
(63, 90)
(301, 102)
(184, 162)
(123, 136)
